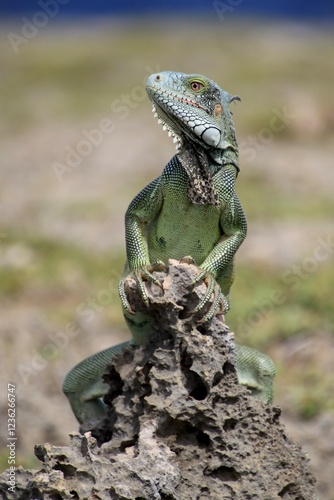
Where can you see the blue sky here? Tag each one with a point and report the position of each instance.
(297, 9)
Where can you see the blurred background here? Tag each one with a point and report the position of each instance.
(78, 142)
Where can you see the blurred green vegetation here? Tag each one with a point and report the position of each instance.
(76, 73)
(58, 275)
(27, 462)
(259, 320)
(279, 203)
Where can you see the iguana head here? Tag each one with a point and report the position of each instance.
(192, 107)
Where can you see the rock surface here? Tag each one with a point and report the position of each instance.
(181, 427)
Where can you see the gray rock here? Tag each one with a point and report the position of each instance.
(181, 426)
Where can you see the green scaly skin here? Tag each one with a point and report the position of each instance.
(190, 210)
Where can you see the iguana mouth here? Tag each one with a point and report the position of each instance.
(176, 135)
(186, 100)
(192, 103)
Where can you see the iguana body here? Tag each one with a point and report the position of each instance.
(190, 210)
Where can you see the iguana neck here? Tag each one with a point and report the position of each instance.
(201, 165)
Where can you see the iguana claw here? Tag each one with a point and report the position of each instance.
(140, 276)
(219, 303)
(158, 265)
(122, 295)
(187, 260)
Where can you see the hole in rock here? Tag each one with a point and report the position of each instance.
(230, 400)
(288, 490)
(186, 360)
(195, 385)
(192, 381)
(54, 496)
(67, 469)
(33, 493)
(129, 443)
(203, 439)
(115, 382)
(225, 474)
(182, 433)
(228, 367)
(84, 476)
(217, 378)
(202, 329)
(101, 430)
(146, 386)
(230, 424)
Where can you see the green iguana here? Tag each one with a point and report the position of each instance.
(191, 209)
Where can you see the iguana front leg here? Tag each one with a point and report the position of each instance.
(219, 263)
(140, 212)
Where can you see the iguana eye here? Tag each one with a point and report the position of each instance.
(196, 86)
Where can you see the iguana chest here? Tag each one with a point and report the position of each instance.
(182, 228)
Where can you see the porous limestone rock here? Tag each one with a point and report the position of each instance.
(179, 426)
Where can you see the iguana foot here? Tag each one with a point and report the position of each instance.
(187, 260)
(219, 304)
(141, 275)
